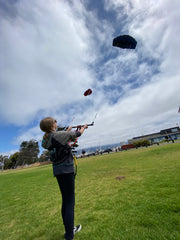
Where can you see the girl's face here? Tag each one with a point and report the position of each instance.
(54, 125)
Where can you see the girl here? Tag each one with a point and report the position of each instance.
(63, 168)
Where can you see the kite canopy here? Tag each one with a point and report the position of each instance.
(124, 41)
(88, 92)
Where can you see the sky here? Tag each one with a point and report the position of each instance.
(52, 51)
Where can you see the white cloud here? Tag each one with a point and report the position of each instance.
(44, 52)
(33, 133)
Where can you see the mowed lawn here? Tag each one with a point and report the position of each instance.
(131, 195)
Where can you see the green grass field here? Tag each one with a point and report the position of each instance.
(145, 205)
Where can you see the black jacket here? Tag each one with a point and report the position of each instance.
(60, 152)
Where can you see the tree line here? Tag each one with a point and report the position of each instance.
(27, 154)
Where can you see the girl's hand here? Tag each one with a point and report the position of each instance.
(69, 129)
(85, 126)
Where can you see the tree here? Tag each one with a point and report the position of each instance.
(45, 156)
(1, 162)
(14, 158)
(2, 158)
(28, 153)
(142, 143)
(8, 162)
(145, 143)
(4, 162)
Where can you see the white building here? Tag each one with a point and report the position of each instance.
(165, 134)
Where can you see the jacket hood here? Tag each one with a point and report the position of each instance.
(46, 143)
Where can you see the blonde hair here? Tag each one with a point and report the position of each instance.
(46, 125)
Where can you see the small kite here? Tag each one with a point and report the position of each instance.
(124, 41)
(88, 92)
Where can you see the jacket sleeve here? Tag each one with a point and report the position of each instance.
(64, 137)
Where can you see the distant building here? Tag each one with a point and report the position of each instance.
(165, 134)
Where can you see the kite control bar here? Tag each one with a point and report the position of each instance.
(78, 127)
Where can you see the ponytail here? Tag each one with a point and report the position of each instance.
(45, 135)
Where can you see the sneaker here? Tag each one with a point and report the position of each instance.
(77, 228)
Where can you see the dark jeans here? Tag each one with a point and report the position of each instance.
(66, 185)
